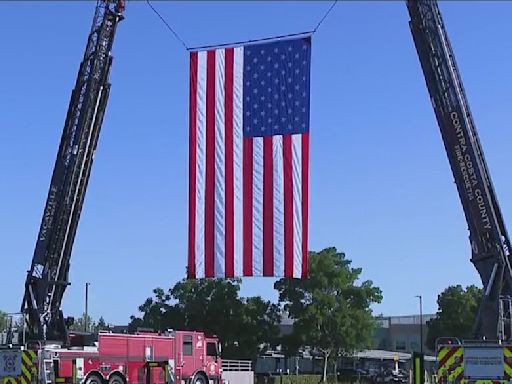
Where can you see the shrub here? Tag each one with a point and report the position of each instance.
(306, 379)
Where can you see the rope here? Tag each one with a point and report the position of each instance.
(325, 16)
(168, 26)
(244, 42)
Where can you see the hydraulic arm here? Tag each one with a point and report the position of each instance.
(488, 236)
(47, 278)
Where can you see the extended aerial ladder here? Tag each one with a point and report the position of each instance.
(47, 278)
(490, 243)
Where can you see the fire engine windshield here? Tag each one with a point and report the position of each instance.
(211, 349)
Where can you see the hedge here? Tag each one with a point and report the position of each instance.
(304, 379)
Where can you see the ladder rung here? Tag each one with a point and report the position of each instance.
(48, 371)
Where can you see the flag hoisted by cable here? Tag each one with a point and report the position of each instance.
(249, 160)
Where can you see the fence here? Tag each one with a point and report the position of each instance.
(236, 365)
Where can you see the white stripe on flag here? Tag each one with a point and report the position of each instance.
(297, 204)
(278, 204)
(238, 119)
(220, 156)
(201, 162)
(257, 207)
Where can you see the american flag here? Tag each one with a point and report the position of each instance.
(249, 160)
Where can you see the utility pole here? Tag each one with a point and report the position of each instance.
(421, 323)
(86, 306)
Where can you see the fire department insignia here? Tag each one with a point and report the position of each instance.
(10, 364)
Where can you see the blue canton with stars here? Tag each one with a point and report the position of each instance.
(276, 87)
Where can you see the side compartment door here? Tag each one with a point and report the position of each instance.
(199, 351)
(186, 354)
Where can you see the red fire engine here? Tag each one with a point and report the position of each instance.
(184, 357)
(172, 357)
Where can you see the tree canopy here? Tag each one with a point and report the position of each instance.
(79, 324)
(215, 307)
(331, 310)
(457, 310)
(92, 325)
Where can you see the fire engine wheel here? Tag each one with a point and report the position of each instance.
(93, 379)
(116, 379)
(199, 378)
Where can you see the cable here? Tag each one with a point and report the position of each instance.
(307, 33)
(325, 16)
(168, 26)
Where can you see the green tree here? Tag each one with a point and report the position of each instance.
(457, 310)
(101, 325)
(79, 324)
(213, 306)
(153, 312)
(262, 317)
(291, 343)
(331, 312)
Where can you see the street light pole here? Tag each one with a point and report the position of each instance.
(421, 323)
(86, 306)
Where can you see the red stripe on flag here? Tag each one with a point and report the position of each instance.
(268, 208)
(209, 217)
(305, 196)
(288, 205)
(191, 271)
(247, 202)
(229, 173)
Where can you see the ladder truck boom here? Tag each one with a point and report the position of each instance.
(488, 236)
(47, 278)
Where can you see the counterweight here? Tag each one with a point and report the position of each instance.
(47, 278)
(488, 236)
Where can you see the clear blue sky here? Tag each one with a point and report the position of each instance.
(381, 187)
